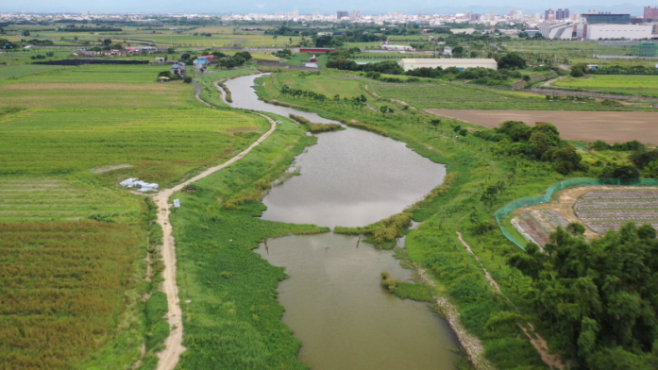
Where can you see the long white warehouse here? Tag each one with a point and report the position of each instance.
(618, 31)
(461, 64)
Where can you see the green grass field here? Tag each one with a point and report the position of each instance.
(613, 84)
(429, 93)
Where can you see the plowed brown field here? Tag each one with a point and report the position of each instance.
(588, 126)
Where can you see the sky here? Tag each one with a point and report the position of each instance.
(309, 6)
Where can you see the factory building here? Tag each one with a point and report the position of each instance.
(461, 64)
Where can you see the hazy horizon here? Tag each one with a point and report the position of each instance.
(264, 6)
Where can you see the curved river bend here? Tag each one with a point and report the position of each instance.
(334, 303)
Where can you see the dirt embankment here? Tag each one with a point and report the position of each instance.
(610, 127)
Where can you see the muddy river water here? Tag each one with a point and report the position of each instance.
(333, 300)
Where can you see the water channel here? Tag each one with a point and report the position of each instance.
(333, 300)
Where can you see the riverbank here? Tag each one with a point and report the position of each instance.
(228, 293)
(434, 245)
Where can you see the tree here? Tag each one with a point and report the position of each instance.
(599, 299)
(107, 42)
(576, 229)
(435, 123)
(458, 51)
(511, 61)
(490, 195)
(577, 71)
(187, 80)
(26, 33)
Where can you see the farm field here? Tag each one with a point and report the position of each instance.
(61, 121)
(612, 84)
(73, 245)
(599, 208)
(586, 126)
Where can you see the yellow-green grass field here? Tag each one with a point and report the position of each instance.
(613, 84)
(63, 290)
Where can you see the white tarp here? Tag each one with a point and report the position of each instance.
(139, 184)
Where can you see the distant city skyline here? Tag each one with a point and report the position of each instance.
(633, 7)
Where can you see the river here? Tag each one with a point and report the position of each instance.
(334, 303)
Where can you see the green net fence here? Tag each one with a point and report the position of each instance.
(508, 208)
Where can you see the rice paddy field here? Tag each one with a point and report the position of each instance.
(50, 198)
(73, 245)
(612, 84)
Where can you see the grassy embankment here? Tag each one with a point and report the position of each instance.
(434, 245)
(84, 289)
(228, 293)
(612, 84)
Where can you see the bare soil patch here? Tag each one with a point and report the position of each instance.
(588, 126)
(111, 168)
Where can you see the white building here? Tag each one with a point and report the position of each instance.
(397, 47)
(556, 31)
(461, 64)
(618, 31)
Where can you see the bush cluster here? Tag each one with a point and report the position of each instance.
(541, 142)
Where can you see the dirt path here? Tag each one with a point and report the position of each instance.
(549, 82)
(174, 343)
(539, 343)
(490, 279)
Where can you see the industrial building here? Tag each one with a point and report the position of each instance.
(461, 64)
(607, 18)
(556, 31)
(618, 31)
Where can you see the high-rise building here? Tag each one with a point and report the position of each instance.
(650, 13)
(342, 14)
(562, 14)
(549, 15)
(356, 14)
